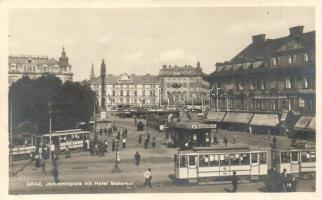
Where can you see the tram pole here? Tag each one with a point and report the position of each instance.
(50, 142)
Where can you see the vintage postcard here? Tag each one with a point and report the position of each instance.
(161, 99)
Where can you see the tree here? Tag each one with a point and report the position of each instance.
(71, 103)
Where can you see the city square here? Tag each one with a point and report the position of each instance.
(135, 114)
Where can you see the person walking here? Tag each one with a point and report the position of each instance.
(148, 177)
(118, 134)
(146, 143)
(153, 141)
(234, 138)
(274, 141)
(67, 152)
(124, 143)
(148, 136)
(105, 146)
(215, 140)
(137, 158)
(140, 139)
(284, 178)
(234, 181)
(55, 174)
(225, 141)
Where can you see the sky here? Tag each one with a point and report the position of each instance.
(141, 40)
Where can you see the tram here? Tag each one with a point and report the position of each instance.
(296, 161)
(74, 139)
(218, 163)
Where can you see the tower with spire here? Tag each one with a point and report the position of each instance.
(92, 73)
(198, 66)
(103, 92)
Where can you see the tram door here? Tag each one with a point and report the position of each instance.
(295, 164)
(192, 166)
(254, 164)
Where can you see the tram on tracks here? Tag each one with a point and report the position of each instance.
(250, 163)
(75, 139)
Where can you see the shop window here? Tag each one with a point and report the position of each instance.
(288, 84)
(313, 158)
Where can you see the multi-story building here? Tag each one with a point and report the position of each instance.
(270, 75)
(36, 66)
(186, 82)
(130, 90)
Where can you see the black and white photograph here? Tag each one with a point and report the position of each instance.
(161, 99)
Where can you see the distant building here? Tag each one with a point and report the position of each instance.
(36, 66)
(270, 75)
(129, 90)
(185, 82)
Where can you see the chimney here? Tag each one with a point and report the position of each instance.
(257, 39)
(296, 31)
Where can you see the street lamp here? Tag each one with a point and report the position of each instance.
(117, 158)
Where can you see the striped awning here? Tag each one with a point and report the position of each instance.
(303, 122)
(214, 116)
(265, 120)
(238, 117)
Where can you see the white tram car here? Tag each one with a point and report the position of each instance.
(295, 161)
(218, 163)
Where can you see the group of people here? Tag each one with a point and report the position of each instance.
(278, 182)
(147, 140)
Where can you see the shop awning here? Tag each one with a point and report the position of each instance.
(237, 117)
(284, 115)
(303, 122)
(215, 116)
(311, 125)
(265, 120)
(192, 125)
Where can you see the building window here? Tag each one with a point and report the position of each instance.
(274, 61)
(288, 84)
(121, 93)
(135, 93)
(306, 57)
(113, 94)
(305, 83)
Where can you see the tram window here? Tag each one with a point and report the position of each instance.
(176, 160)
(214, 160)
(254, 157)
(203, 161)
(183, 161)
(285, 157)
(234, 159)
(244, 159)
(294, 156)
(313, 159)
(224, 159)
(262, 158)
(305, 156)
(192, 160)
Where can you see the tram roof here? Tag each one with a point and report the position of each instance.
(66, 132)
(223, 149)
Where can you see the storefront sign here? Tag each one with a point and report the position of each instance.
(195, 126)
(270, 97)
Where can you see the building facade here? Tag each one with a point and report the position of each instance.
(270, 75)
(129, 90)
(183, 83)
(36, 66)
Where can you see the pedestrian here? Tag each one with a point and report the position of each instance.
(118, 134)
(124, 143)
(285, 178)
(148, 177)
(140, 139)
(146, 143)
(85, 145)
(215, 140)
(52, 149)
(105, 146)
(67, 152)
(234, 138)
(274, 141)
(153, 141)
(40, 152)
(37, 160)
(55, 174)
(250, 130)
(234, 181)
(148, 136)
(125, 133)
(135, 121)
(95, 149)
(225, 141)
(113, 145)
(137, 158)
